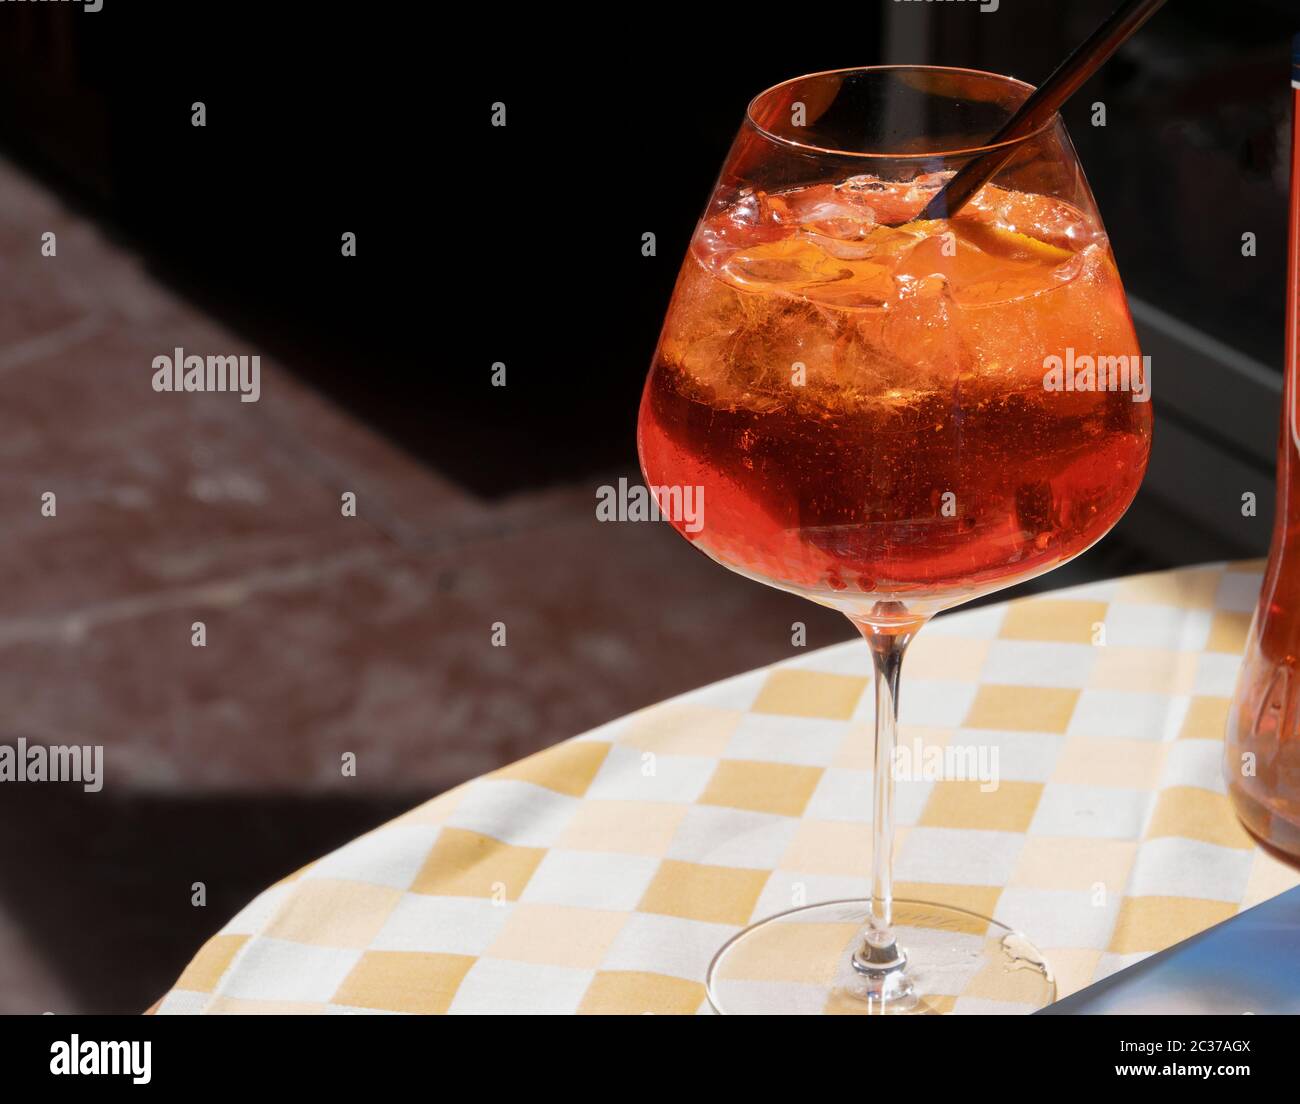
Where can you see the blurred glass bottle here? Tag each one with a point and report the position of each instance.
(1262, 752)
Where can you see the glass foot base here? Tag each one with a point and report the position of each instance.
(801, 962)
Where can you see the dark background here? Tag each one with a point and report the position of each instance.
(476, 245)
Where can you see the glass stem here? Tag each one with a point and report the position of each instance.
(880, 954)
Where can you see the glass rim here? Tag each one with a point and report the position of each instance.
(968, 151)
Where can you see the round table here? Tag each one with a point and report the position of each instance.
(1084, 729)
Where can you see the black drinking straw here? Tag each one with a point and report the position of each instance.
(1043, 104)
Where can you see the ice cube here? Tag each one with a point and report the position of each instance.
(844, 249)
(864, 184)
(921, 327)
(1043, 217)
(791, 263)
(752, 207)
(750, 218)
(890, 201)
(932, 182)
(824, 210)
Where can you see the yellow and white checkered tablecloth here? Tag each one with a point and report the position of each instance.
(602, 874)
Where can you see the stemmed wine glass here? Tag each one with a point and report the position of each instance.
(892, 415)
